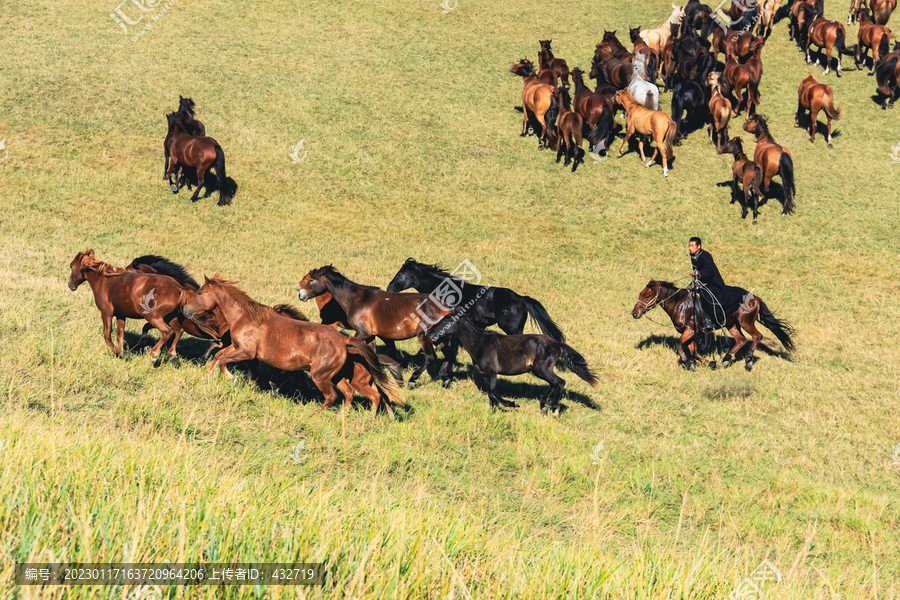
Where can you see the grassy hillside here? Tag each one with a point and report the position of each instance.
(408, 116)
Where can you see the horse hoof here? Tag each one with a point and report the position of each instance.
(410, 384)
(748, 366)
(556, 412)
(156, 362)
(543, 410)
(174, 189)
(830, 146)
(754, 221)
(713, 365)
(175, 362)
(446, 383)
(691, 366)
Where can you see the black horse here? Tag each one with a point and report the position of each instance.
(697, 16)
(688, 102)
(495, 354)
(489, 305)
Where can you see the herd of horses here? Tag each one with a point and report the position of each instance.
(163, 293)
(684, 53)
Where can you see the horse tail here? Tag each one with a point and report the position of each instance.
(650, 101)
(756, 182)
(552, 113)
(884, 76)
(540, 315)
(828, 105)
(652, 67)
(225, 192)
(670, 140)
(839, 41)
(574, 362)
(786, 170)
(884, 48)
(780, 327)
(752, 94)
(600, 131)
(677, 106)
(386, 385)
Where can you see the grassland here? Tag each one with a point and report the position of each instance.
(410, 123)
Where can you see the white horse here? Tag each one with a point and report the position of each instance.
(643, 91)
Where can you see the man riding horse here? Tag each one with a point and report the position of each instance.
(711, 296)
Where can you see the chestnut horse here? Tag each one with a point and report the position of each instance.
(667, 58)
(647, 122)
(824, 34)
(746, 172)
(815, 96)
(887, 75)
(200, 152)
(612, 43)
(656, 38)
(569, 127)
(679, 305)
(882, 10)
(774, 159)
(618, 71)
(876, 37)
(537, 97)
(192, 125)
(259, 332)
(557, 66)
(596, 109)
(122, 295)
(719, 109)
(747, 75)
(373, 312)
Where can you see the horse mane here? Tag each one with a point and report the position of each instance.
(762, 122)
(662, 283)
(256, 311)
(288, 310)
(186, 104)
(431, 269)
(164, 266)
(329, 270)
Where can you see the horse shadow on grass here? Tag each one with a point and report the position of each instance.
(649, 147)
(821, 128)
(525, 390)
(710, 345)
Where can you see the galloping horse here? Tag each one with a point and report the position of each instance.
(876, 37)
(774, 159)
(719, 109)
(679, 305)
(656, 38)
(814, 96)
(569, 127)
(372, 312)
(496, 354)
(537, 97)
(557, 66)
(122, 295)
(824, 34)
(258, 332)
(192, 125)
(744, 171)
(647, 122)
(200, 152)
(491, 305)
(596, 109)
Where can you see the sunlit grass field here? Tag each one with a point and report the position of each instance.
(410, 126)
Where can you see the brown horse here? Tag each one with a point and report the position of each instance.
(747, 75)
(193, 126)
(373, 312)
(537, 97)
(618, 71)
(122, 295)
(824, 34)
(742, 41)
(596, 109)
(647, 122)
(744, 171)
(667, 58)
(557, 66)
(656, 38)
(887, 75)
(569, 126)
(200, 152)
(679, 305)
(871, 35)
(882, 10)
(719, 109)
(258, 332)
(797, 27)
(612, 43)
(774, 159)
(815, 96)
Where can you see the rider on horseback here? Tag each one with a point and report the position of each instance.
(708, 287)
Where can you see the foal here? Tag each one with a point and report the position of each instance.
(496, 354)
(744, 171)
